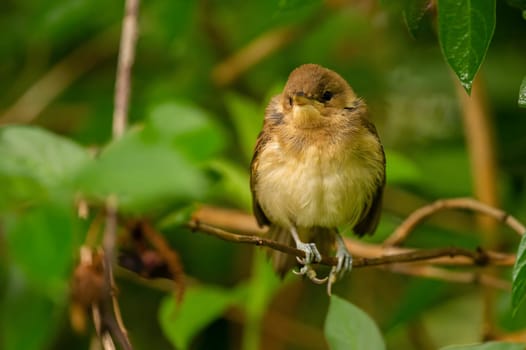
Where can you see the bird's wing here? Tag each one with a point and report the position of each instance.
(261, 218)
(371, 215)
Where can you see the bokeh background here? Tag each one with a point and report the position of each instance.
(224, 60)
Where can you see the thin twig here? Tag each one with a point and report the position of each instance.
(109, 310)
(231, 221)
(419, 215)
(478, 258)
(369, 250)
(124, 67)
(367, 254)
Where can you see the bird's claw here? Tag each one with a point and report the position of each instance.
(307, 270)
(311, 253)
(344, 265)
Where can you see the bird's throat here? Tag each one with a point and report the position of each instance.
(306, 116)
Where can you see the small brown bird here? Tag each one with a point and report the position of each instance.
(318, 164)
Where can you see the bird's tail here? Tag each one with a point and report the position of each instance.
(282, 263)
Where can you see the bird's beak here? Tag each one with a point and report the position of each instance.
(300, 99)
(306, 112)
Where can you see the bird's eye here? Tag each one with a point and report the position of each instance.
(290, 101)
(327, 95)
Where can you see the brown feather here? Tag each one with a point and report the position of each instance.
(370, 220)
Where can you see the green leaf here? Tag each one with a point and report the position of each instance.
(42, 244)
(414, 11)
(159, 165)
(233, 183)
(143, 175)
(522, 94)
(187, 128)
(518, 288)
(487, 346)
(28, 319)
(248, 121)
(348, 327)
(465, 30)
(200, 307)
(34, 162)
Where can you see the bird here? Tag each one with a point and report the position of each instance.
(318, 164)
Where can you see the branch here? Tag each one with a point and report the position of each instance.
(110, 317)
(124, 67)
(478, 258)
(206, 220)
(109, 309)
(419, 215)
(369, 250)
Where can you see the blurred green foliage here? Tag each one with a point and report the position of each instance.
(191, 139)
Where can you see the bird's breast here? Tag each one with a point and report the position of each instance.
(325, 184)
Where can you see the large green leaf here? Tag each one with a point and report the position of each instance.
(247, 117)
(518, 288)
(34, 162)
(347, 327)
(522, 94)
(200, 307)
(487, 346)
(465, 30)
(187, 128)
(42, 245)
(162, 163)
(28, 319)
(233, 184)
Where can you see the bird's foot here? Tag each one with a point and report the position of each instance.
(344, 265)
(311, 255)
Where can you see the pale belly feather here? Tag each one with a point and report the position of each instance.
(315, 189)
